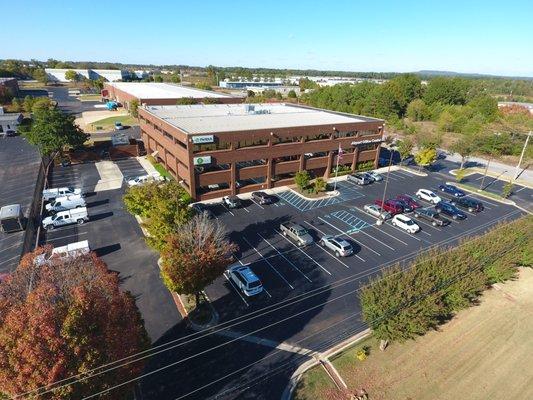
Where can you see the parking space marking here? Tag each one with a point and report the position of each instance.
(303, 204)
(483, 200)
(269, 263)
(10, 247)
(64, 237)
(519, 190)
(388, 234)
(285, 258)
(245, 209)
(227, 209)
(331, 255)
(303, 252)
(360, 244)
(257, 204)
(262, 283)
(349, 219)
(236, 289)
(418, 220)
(9, 259)
(314, 227)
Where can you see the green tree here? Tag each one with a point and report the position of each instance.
(51, 131)
(426, 156)
(507, 190)
(42, 103)
(404, 147)
(417, 110)
(28, 103)
(16, 105)
(139, 199)
(40, 75)
(71, 75)
(158, 78)
(447, 91)
(302, 179)
(175, 77)
(292, 94)
(460, 175)
(134, 108)
(485, 105)
(306, 83)
(319, 185)
(195, 255)
(464, 147)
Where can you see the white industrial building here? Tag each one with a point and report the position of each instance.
(110, 75)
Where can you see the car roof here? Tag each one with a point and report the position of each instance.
(402, 217)
(248, 274)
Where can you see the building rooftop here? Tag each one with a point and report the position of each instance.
(7, 79)
(154, 90)
(213, 118)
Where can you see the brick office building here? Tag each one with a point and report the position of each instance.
(154, 93)
(216, 150)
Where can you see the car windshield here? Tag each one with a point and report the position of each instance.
(408, 222)
(70, 189)
(301, 232)
(254, 284)
(346, 247)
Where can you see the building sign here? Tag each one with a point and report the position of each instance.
(203, 139)
(202, 160)
(367, 141)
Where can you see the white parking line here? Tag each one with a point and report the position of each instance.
(401, 230)
(285, 258)
(519, 190)
(64, 237)
(227, 209)
(262, 284)
(236, 290)
(269, 263)
(245, 209)
(418, 220)
(303, 252)
(391, 236)
(332, 256)
(314, 227)
(344, 233)
(483, 200)
(257, 204)
(10, 259)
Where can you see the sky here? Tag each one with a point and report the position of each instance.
(492, 37)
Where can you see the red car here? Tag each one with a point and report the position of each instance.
(391, 206)
(409, 200)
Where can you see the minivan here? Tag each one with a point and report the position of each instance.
(245, 279)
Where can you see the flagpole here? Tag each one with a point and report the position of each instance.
(337, 168)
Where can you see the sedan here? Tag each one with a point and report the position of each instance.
(432, 216)
(428, 195)
(374, 176)
(231, 201)
(262, 198)
(409, 200)
(340, 247)
(407, 224)
(449, 209)
(377, 211)
(450, 189)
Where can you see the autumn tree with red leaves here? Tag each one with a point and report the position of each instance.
(195, 255)
(63, 318)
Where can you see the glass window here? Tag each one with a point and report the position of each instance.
(252, 142)
(216, 145)
(320, 136)
(346, 134)
(280, 140)
(250, 163)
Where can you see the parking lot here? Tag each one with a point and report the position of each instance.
(19, 166)
(115, 235)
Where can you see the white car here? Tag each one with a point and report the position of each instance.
(245, 279)
(405, 223)
(428, 195)
(139, 180)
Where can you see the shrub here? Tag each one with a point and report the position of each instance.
(302, 179)
(460, 175)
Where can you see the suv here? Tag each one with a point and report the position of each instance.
(449, 209)
(297, 233)
(405, 223)
(409, 200)
(231, 201)
(340, 247)
(245, 279)
(391, 206)
(360, 179)
(452, 190)
(428, 195)
(431, 215)
(262, 198)
(468, 203)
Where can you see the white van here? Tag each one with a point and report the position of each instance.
(76, 215)
(66, 203)
(71, 250)
(52, 194)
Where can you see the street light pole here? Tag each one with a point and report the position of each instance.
(386, 180)
(517, 172)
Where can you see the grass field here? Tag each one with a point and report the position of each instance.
(109, 123)
(483, 353)
(90, 97)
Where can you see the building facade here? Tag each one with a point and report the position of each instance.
(10, 84)
(219, 150)
(111, 75)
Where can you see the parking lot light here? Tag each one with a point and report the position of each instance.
(391, 151)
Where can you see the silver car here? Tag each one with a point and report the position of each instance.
(340, 247)
(377, 211)
(374, 176)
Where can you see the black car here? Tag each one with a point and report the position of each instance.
(449, 209)
(262, 198)
(431, 215)
(469, 204)
(200, 208)
(405, 205)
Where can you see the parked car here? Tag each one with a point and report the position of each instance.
(447, 208)
(405, 205)
(75, 216)
(374, 176)
(404, 222)
(431, 215)
(231, 201)
(200, 208)
(118, 126)
(245, 279)
(66, 203)
(262, 198)
(340, 247)
(297, 233)
(390, 206)
(360, 179)
(52, 194)
(69, 251)
(428, 195)
(469, 204)
(377, 211)
(451, 189)
(409, 200)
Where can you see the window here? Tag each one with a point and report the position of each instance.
(320, 136)
(346, 134)
(281, 140)
(217, 145)
(368, 133)
(368, 146)
(252, 142)
(251, 163)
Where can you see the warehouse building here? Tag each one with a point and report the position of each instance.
(218, 150)
(153, 93)
(111, 75)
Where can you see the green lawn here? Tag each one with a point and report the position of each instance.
(162, 171)
(474, 189)
(90, 97)
(313, 385)
(109, 123)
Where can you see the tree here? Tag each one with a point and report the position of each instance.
(491, 145)
(306, 83)
(175, 77)
(158, 78)
(417, 110)
(51, 131)
(16, 105)
(447, 91)
(186, 101)
(5, 95)
(41, 103)
(426, 156)
(28, 103)
(319, 185)
(302, 179)
(464, 147)
(40, 75)
(134, 107)
(139, 199)
(71, 75)
(404, 147)
(62, 318)
(195, 255)
(292, 94)
(460, 175)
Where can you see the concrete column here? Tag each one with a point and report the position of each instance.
(233, 173)
(355, 158)
(376, 158)
(330, 162)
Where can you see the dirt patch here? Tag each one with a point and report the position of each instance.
(483, 353)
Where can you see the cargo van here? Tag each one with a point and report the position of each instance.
(76, 215)
(66, 203)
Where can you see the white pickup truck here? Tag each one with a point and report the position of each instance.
(52, 194)
(76, 215)
(297, 233)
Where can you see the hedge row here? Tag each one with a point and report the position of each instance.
(405, 302)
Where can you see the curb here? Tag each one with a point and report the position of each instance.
(480, 193)
(519, 182)
(411, 171)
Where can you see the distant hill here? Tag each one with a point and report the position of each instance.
(432, 74)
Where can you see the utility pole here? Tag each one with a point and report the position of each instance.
(391, 151)
(517, 172)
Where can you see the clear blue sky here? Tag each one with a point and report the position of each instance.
(494, 37)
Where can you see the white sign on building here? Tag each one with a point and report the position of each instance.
(202, 160)
(203, 139)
